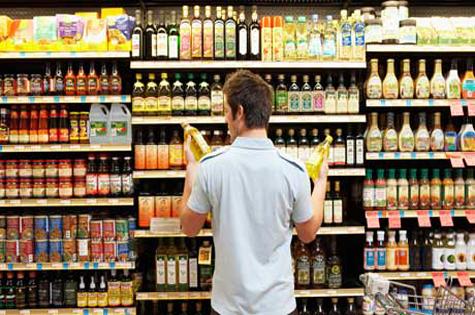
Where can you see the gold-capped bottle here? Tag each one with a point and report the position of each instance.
(198, 144)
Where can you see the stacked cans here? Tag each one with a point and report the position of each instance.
(66, 238)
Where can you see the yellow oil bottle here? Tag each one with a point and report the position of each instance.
(198, 144)
(314, 163)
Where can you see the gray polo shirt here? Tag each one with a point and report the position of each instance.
(255, 193)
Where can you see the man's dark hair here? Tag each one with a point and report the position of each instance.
(251, 92)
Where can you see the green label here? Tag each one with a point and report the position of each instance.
(219, 40)
(294, 101)
(118, 128)
(282, 99)
(307, 102)
(98, 128)
(231, 40)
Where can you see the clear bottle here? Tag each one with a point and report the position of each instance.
(342, 96)
(390, 136)
(196, 34)
(374, 85)
(315, 39)
(185, 35)
(359, 47)
(318, 96)
(437, 82)
(346, 43)
(437, 135)
(391, 252)
(461, 251)
(422, 137)
(330, 39)
(353, 96)
(302, 38)
(390, 82)
(471, 252)
(369, 252)
(453, 84)
(470, 189)
(330, 97)
(422, 82)
(424, 190)
(290, 48)
(339, 149)
(459, 189)
(294, 95)
(374, 139)
(435, 190)
(406, 136)
(230, 37)
(413, 190)
(406, 83)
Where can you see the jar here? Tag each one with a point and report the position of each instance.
(74, 127)
(79, 188)
(52, 188)
(36, 84)
(374, 31)
(368, 13)
(26, 189)
(11, 169)
(12, 188)
(38, 169)
(24, 169)
(390, 20)
(427, 297)
(9, 85)
(65, 169)
(408, 32)
(2, 188)
(39, 188)
(2, 169)
(80, 168)
(65, 188)
(23, 84)
(83, 130)
(403, 10)
(51, 169)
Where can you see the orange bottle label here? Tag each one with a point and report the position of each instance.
(163, 206)
(402, 258)
(139, 157)
(146, 210)
(176, 155)
(151, 161)
(163, 157)
(176, 202)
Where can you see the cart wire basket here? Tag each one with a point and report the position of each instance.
(444, 302)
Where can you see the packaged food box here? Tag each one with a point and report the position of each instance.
(95, 35)
(20, 37)
(88, 15)
(5, 24)
(70, 31)
(107, 12)
(120, 32)
(45, 32)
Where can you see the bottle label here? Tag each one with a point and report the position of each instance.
(318, 270)
(183, 269)
(204, 103)
(126, 293)
(162, 45)
(368, 197)
(334, 277)
(306, 101)
(116, 183)
(339, 155)
(127, 183)
(217, 102)
(403, 196)
(380, 194)
(424, 196)
(119, 128)
(330, 103)
(318, 100)
(369, 259)
(303, 153)
(178, 103)
(381, 258)
(219, 40)
(82, 299)
(185, 42)
(359, 152)
(243, 42)
(329, 47)
(176, 154)
(230, 40)
(171, 271)
(255, 42)
(164, 104)
(435, 196)
(303, 270)
(292, 151)
(266, 40)
(154, 45)
(448, 196)
(328, 212)
(151, 104)
(98, 128)
(294, 101)
(350, 152)
(337, 211)
(193, 270)
(346, 41)
(282, 101)
(102, 300)
(208, 39)
(196, 40)
(191, 103)
(391, 196)
(173, 47)
(438, 258)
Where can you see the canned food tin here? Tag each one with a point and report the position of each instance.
(109, 229)
(13, 227)
(41, 250)
(83, 225)
(110, 251)
(2, 251)
(69, 250)
(121, 229)
(97, 250)
(56, 250)
(26, 251)
(83, 249)
(95, 229)
(11, 251)
(41, 227)
(55, 227)
(70, 225)
(26, 227)
(123, 250)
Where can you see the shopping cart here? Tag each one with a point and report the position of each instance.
(384, 292)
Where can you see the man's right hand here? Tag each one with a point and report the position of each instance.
(322, 176)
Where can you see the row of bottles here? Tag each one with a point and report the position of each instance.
(228, 36)
(438, 87)
(422, 140)
(164, 203)
(416, 191)
(333, 208)
(20, 290)
(344, 151)
(423, 251)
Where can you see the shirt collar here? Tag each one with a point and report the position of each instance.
(253, 143)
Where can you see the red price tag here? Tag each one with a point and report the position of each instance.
(394, 219)
(456, 108)
(464, 279)
(471, 108)
(445, 218)
(470, 214)
(423, 218)
(456, 160)
(469, 158)
(372, 219)
(438, 278)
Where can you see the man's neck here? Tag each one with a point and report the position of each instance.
(254, 133)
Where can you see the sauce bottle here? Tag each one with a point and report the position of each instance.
(422, 82)
(391, 252)
(176, 151)
(450, 138)
(318, 95)
(342, 96)
(403, 252)
(427, 246)
(14, 125)
(390, 82)
(59, 80)
(453, 85)
(390, 139)
(470, 189)
(204, 97)
(403, 190)
(437, 82)
(115, 178)
(374, 139)
(70, 81)
(104, 81)
(406, 84)
(139, 151)
(380, 190)
(318, 273)
(424, 190)
(23, 131)
(380, 252)
(53, 135)
(459, 189)
(413, 190)
(314, 162)
(422, 136)
(32, 290)
(369, 252)
(437, 135)
(82, 296)
(449, 252)
(374, 85)
(185, 35)
(151, 151)
(115, 85)
(43, 131)
(406, 136)
(368, 191)
(113, 289)
(467, 137)
(448, 190)
(461, 251)
(435, 190)
(163, 151)
(63, 130)
(34, 119)
(277, 39)
(92, 80)
(81, 81)
(127, 177)
(391, 190)
(103, 177)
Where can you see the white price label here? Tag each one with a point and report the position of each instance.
(91, 201)
(65, 202)
(53, 312)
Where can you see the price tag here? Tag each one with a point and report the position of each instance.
(91, 201)
(82, 98)
(471, 108)
(18, 147)
(456, 160)
(394, 219)
(24, 312)
(99, 311)
(69, 99)
(446, 218)
(464, 279)
(438, 278)
(456, 108)
(102, 99)
(65, 202)
(74, 147)
(85, 311)
(57, 266)
(77, 311)
(41, 201)
(15, 201)
(469, 158)
(113, 201)
(3, 266)
(53, 312)
(423, 218)
(470, 214)
(86, 265)
(56, 99)
(195, 295)
(32, 99)
(372, 219)
(22, 99)
(95, 265)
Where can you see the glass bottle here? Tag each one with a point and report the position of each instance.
(302, 259)
(403, 251)
(390, 82)
(318, 96)
(334, 267)
(20, 291)
(281, 96)
(255, 36)
(218, 35)
(461, 251)
(178, 97)
(196, 34)
(374, 139)
(353, 96)
(424, 190)
(137, 37)
(328, 206)
(438, 252)
(329, 39)
(306, 96)
(92, 294)
(422, 136)
(330, 97)
(470, 189)
(319, 310)
(403, 190)
(406, 136)
(92, 80)
(413, 189)
(204, 97)
(151, 96)
(468, 82)
(453, 85)
(318, 266)
(337, 205)
(415, 251)
(279, 141)
(292, 147)
(315, 39)
(191, 97)
(59, 82)
(380, 251)
(339, 149)
(390, 136)
(350, 148)
(304, 310)
(437, 135)
(459, 189)
(81, 81)
(164, 97)
(185, 35)
(342, 96)
(303, 146)
(162, 38)
(391, 190)
(176, 151)
(435, 190)
(391, 252)
(437, 82)
(173, 38)
(243, 34)
(374, 86)
(450, 137)
(368, 191)
(230, 38)
(422, 82)
(448, 190)
(301, 36)
(406, 84)
(369, 252)
(294, 95)
(208, 36)
(150, 38)
(104, 81)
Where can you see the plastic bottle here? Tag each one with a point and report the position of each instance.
(403, 252)
(471, 252)
(461, 252)
(314, 163)
(120, 126)
(99, 124)
(198, 144)
(369, 252)
(391, 252)
(380, 252)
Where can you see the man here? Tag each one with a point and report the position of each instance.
(256, 195)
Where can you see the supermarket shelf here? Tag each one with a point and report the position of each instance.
(72, 311)
(67, 266)
(421, 49)
(63, 54)
(420, 275)
(455, 213)
(74, 202)
(154, 296)
(388, 103)
(65, 148)
(336, 230)
(276, 119)
(407, 155)
(181, 173)
(83, 99)
(169, 65)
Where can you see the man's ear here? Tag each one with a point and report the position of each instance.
(240, 112)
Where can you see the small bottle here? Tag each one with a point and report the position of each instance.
(391, 252)
(390, 82)
(422, 83)
(390, 136)
(403, 252)
(415, 252)
(369, 252)
(461, 251)
(448, 190)
(438, 252)
(413, 190)
(330, 97)
(102, 298)
(435, 190)
(380, 252)
(306, 96)
(217, 97)
(350, 148)
(391, 190)
(164, 97)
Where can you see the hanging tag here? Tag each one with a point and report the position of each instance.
(464, 279)
(471, 108)
(456, 159)
(470, 214)
(456, 108)
(446, 218)
(438, 278)
(469, 158)
(372, 219)
(394, 219)
(423, 218)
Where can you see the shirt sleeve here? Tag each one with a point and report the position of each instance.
(302, 211)
(199, 199)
